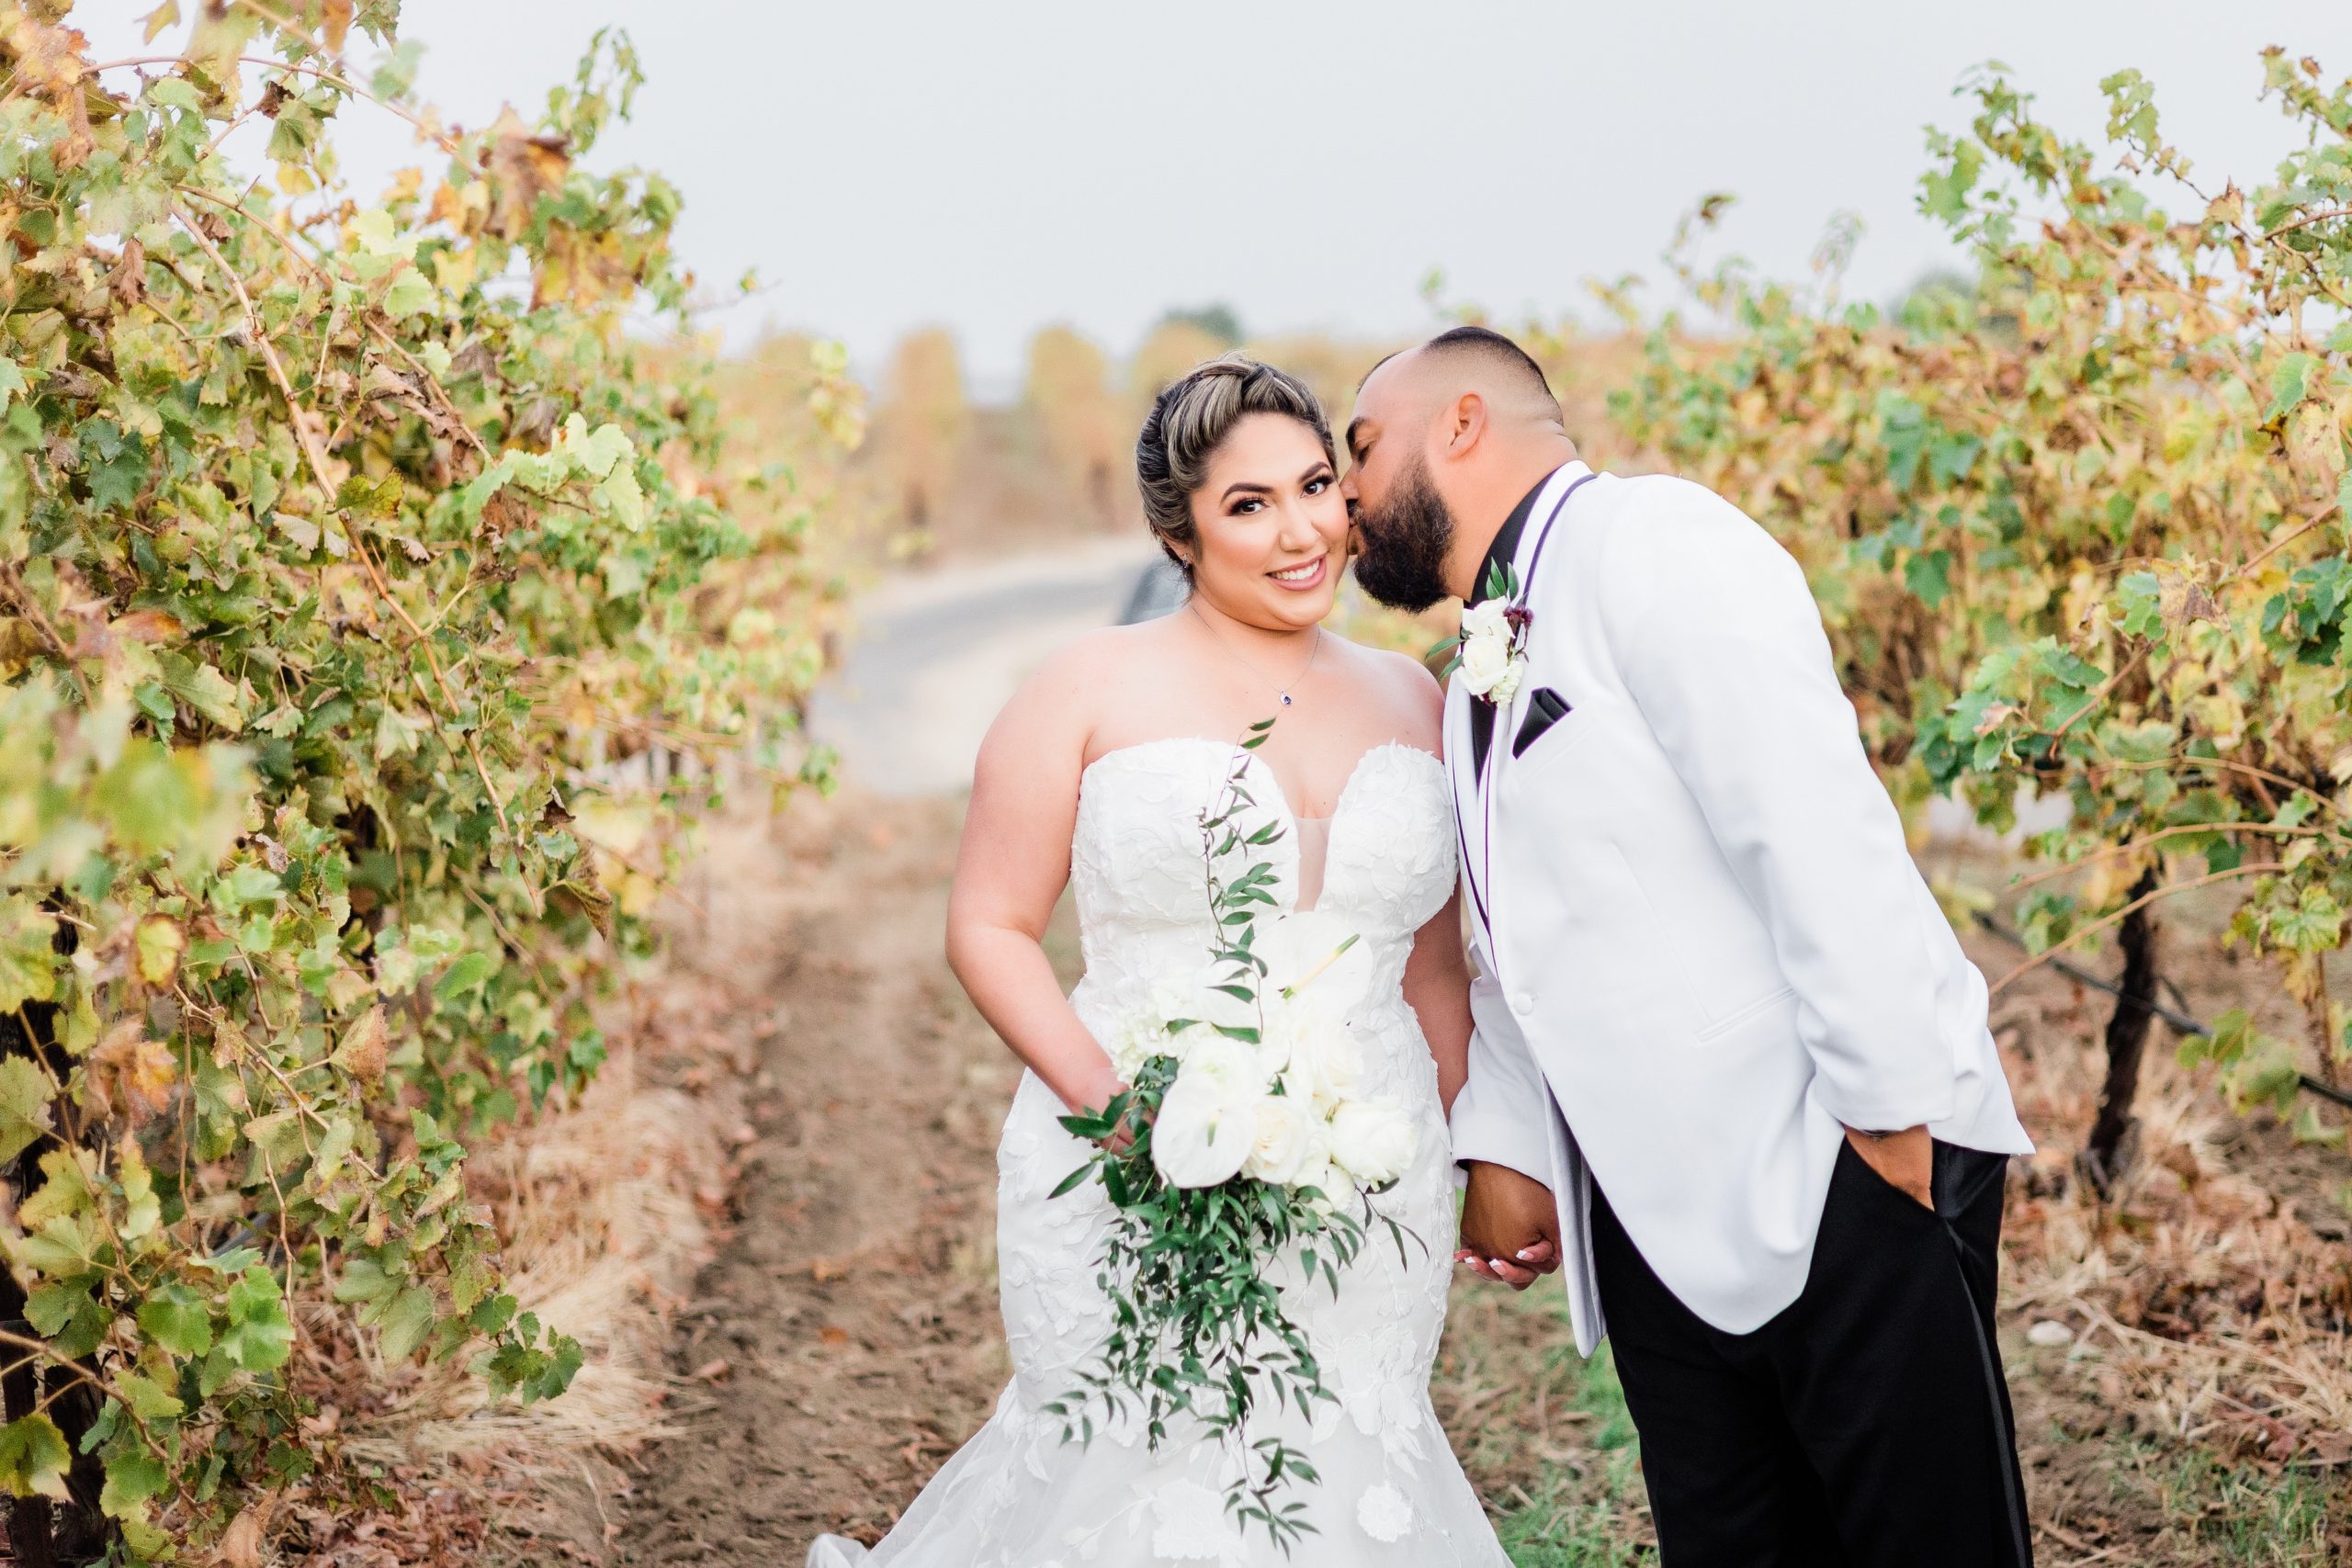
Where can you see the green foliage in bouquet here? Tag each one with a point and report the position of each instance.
(1192, 1273)
(344, 551)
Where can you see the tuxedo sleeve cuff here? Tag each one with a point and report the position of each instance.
(1889, 1112)
(1505, 1141)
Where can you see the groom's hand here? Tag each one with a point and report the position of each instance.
(1510, 1229)
(1906, 1159)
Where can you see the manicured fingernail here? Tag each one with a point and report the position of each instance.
(1525, 1253)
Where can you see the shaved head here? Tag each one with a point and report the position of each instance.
(1481, 360)
(1471, 359)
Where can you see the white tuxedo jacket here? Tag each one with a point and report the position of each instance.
(1703, 947)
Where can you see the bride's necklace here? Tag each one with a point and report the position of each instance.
(1281, 691)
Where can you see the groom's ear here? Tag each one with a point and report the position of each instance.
(1466, 422)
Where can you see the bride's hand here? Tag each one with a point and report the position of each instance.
(1123, 1138)
(1511, 1230)
(1094, 1101)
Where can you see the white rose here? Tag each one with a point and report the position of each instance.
(1203, 1133)
(1372, 1140)
(1314, 1053)
(1327, 1178)
(1484, 661)
(1505, 685)
(1484, 620)
(1283, 1141)
(1227, 1066)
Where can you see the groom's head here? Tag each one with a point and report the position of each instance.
(1446, 439)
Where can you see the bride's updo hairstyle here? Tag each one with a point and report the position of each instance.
(1188, 421)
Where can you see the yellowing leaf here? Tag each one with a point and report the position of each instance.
(362, 1049)
(141, 1209)
(149, 1400)
(34, 1458)
(24, 1105)
(160, 943)
(129, 1075)
(29, 963)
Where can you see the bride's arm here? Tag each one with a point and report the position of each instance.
(1011, 869)
(1437, 988)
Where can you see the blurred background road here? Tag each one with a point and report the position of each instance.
(931, 658)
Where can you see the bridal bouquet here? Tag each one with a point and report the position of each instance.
(1241, 1141)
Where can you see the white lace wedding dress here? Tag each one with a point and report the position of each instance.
(1391, 1492)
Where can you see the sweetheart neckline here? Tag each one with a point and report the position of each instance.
(1355, 770)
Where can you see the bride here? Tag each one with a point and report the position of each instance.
(1095, 776)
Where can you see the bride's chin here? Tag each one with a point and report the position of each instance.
(1286, 611)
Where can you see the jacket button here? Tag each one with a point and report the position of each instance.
(1521, 1003)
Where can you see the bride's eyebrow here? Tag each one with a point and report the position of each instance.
(1244, 487)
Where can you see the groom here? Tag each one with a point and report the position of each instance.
(1730, 1066)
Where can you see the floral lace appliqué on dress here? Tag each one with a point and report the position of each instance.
(1392, 1495)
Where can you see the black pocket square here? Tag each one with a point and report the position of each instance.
(1546, 708)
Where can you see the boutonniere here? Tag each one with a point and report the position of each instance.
(1491, 649)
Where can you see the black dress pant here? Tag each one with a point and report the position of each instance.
(1867, 1425)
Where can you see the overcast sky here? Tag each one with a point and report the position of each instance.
(996, 166)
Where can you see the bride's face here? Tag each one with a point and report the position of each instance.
(1272, 530)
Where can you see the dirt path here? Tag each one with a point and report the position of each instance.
(846, 1338)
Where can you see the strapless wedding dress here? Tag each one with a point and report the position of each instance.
(1391, 1493)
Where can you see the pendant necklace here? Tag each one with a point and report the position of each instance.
(1282, 692)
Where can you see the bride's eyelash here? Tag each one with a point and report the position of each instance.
(1244, 505)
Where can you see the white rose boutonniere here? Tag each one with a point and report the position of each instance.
(1490, 650)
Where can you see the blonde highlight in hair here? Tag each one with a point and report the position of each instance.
(1190, 419)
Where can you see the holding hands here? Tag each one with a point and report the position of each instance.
(1510, 1230)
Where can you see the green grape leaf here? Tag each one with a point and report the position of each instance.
(34, 1458)
(177, 1318)
(24, 1105)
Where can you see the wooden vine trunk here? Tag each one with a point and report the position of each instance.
(2115, 1135)
(42, 1533)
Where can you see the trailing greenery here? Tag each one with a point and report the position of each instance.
(1193, 1272)
(345, 551)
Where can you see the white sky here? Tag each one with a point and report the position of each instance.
(996, 166)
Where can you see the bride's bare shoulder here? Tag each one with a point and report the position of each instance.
(1402, 688)
(1101, 659)
(1395, 674)
(1062, 700)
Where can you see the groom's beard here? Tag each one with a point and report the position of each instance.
(1405, 543)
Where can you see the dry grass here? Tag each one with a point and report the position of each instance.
(606, 1211)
